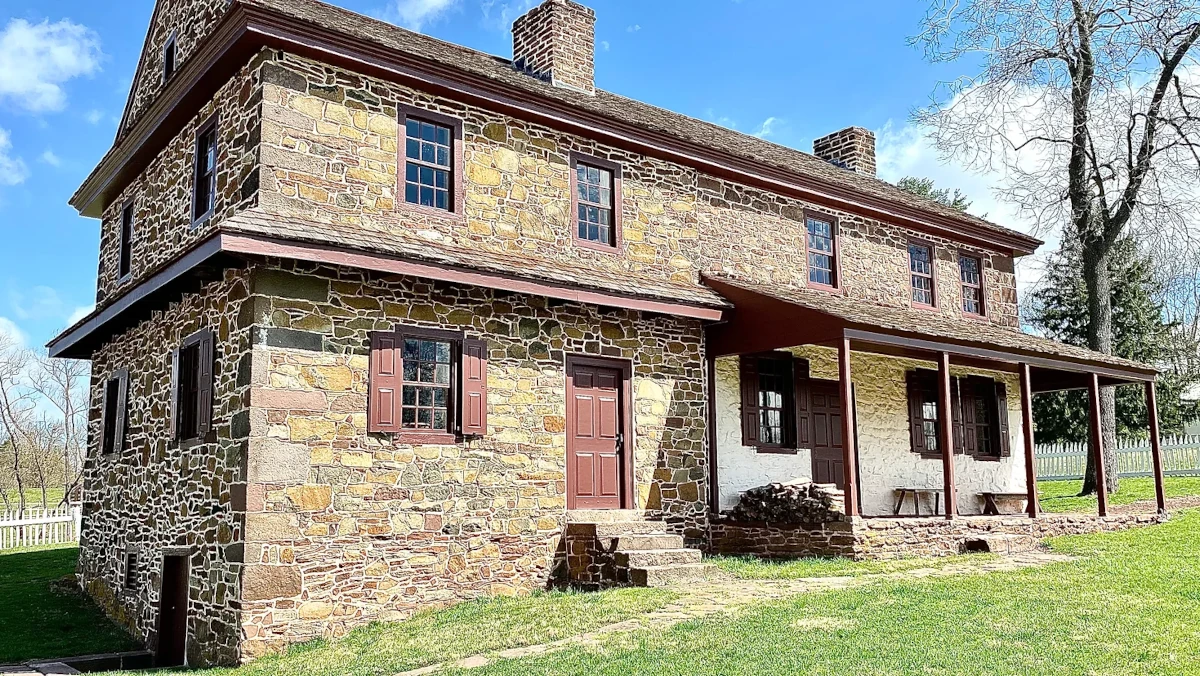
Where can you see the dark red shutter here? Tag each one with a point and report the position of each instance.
(104, 422)
(204, 383)
(1002, 419)
(122, 408)
(384, 382)
(965, 409)
(916, 399)
(173, 417)
(474, 393)
(750, 413)
(801, 391)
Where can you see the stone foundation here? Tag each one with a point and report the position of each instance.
(883, 538)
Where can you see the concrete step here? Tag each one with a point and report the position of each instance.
(645, 558)
(641, 542)
(665, 576)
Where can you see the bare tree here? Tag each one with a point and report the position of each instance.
(63, 383)
(1089, 108)
(17, 404)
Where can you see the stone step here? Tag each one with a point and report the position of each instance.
(645, 558)
(665, 576)
(614, 530)
(641, 542)
(1000, 543)
(605, 515)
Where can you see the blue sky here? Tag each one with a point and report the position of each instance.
(784, 70)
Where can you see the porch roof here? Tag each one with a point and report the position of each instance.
(769, 317)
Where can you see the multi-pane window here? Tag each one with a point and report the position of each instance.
(192, 387)
(821, 268)
(188, 392)
(110, 441)
(970, 271)
(978, 414)
(427, 384)
(594, 199)
(205, 187)
(984, 405)
(920, 265)
(125, 253)
(428, 166)
(774, 391)
(169, 56)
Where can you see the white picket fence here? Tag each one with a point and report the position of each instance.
(1181, 457)
(36, 526)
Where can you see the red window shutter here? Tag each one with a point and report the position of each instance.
(916, 400)
(474, 392)
(1002, 420)
(964, 410)
(750, 413)
(801, 391)
(384, 382)
(173, 417)
(204, 383)
(122, 408)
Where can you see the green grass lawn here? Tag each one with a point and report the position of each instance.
(1063, 496)
(40, 620)
(1130, 605)
(33, 497)
(751, 568)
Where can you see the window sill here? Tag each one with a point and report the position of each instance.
(974, 317)
(440, 438)
(825, 288)
(924, 307)
(775, 450)
(202, 221)
(612, 249)
(987, 458)
(421, 210)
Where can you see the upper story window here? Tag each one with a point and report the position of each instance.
(428, 164)
(822, 251)
(170, 54)
(596, 197)
(114, 407)
(427, 385)
(920, 266)
(204, 190)
(125, 243)
(970, 270)
(192, 387)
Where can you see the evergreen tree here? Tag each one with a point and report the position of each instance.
(925, 188)
(1060, 310)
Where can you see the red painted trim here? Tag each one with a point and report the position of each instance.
(1097, 443)
(617, 203)
(946, 435)
(625, 366)
(983, 304)
(1160, 494)
(933, 274)
(457, 186)
(714, 486)
(321, 254)
(836, 234)
(1032, 506)
(849, 433)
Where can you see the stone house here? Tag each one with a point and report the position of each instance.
(384, 323)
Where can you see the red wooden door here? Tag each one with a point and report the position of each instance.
(829, 466)
(595, 437)
(172, 613)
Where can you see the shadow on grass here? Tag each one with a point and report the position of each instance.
(43, 616)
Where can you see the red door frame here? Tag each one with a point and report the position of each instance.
(625, 367)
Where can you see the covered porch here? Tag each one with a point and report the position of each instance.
(939, 416)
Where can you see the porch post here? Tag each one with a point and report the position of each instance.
(1027, 428)
(1160, 492)
(1098, 443)
(946, 433)
(849, 457)
(714, 490)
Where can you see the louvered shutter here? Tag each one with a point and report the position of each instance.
(474, 392)
(173, 416)
(122, 409)
(801, 392)
(383, 381)
(1002, 419)
(966, 410)
(750, 412)
(103, 417)
(916, 400)
(204, 383)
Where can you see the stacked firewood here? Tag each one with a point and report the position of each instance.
(796, 501)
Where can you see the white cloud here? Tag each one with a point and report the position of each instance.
(416, 14)
(79, 313)
(12, 169)
(499, 15)
(36, 59)
(604, 45)
(634, 28)
(40, 302)
(50, 158)
(9, 328)
(767, 127)
(94, 116)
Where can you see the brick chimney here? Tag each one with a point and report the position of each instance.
(852, 148)
(556, 41)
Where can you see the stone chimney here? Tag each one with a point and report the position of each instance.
(852, 148)
(556, 41)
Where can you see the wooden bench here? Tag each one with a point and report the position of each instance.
(990, 508)
(916, 493)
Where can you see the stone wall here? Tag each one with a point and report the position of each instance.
(157, 498)
(346, 527)
(329, 147)
(886, 460)
(757, 538)
(190, 21)
(162, 193)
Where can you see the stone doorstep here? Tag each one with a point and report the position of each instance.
(632, 542)
(666, 576)
(49, 668)
(614, 530)
(598, 516)
(644, 558)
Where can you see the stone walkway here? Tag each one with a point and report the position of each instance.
(1148, 506)
(728, 595)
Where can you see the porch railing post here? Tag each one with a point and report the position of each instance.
(849, 457)
(1156, 458)
(1098, 444)
(946, 433)
(1027, 430)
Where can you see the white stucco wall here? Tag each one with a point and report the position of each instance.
(886, 460)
